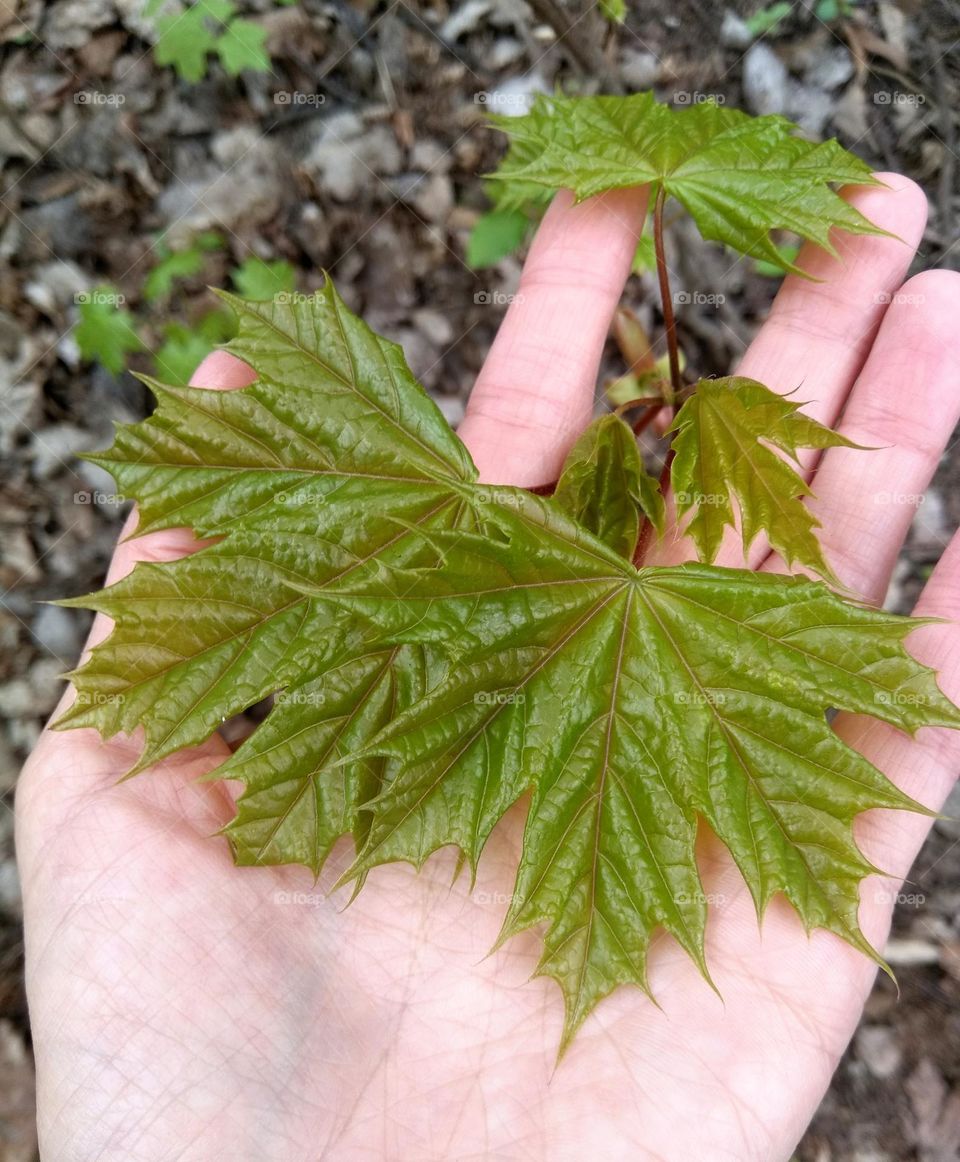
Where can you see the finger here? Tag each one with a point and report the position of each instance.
(818, 333)
(535, 392)
(924, 767)
(905, 404)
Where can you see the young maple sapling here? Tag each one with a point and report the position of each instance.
(438, 650)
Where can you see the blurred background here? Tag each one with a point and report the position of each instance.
(150, 150)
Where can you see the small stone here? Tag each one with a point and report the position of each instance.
(344, 163)
(811, 108)
(46, 684)
(432, 197)
(69, 24)
(831, 68)
(54, 286)
(464, 18)
(55, 449)
(16, 699)
(435, 325)
(910, 953)
(10, 898)
(877, 1048)
(931, 528)
(734, 32)
(764, 80)
(640, 70)
(506, 51)
(56, 631)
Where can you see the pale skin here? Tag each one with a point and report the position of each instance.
(186, 1009)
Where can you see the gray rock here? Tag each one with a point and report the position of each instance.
(46, 684)
(344, 161)
(60, 226)
(435, 325)
(16, 699)
(764, 79)
(877, 1048)
(54, 285)
(70, 23)
(464, 18)
(831, 68)
(505, 52)
(10, 898)
(55, 449)
(931, 527)
(640, 70)
(56, 630)
(734, 32)
(243, 188)
(811, 108)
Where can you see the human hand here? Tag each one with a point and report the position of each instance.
(183, 1008)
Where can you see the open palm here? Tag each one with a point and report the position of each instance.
(186, 1009)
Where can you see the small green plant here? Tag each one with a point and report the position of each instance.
(105, 330)
(173, 265)
(188, 38)
(440, 649)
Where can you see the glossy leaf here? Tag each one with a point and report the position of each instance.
(438, 648)
(740, 177)
(606, 488)
(634, 704)
(722, 453)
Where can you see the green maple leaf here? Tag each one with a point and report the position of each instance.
(721, 453)
(606, 488)
(740, 177)
(635, 704)
(178, 264)
(242, 47)
(105, 330)
(186, 38)
(328, 461)
(438, 648)
(260, 280)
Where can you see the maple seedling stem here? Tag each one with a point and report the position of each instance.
(669, 322)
